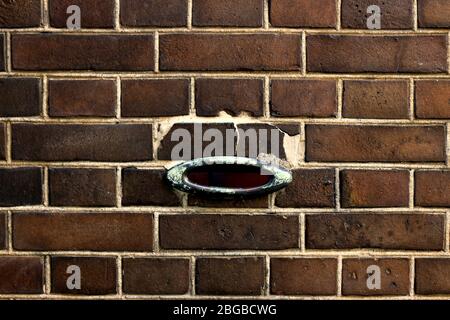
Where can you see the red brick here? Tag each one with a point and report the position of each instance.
(20, 186)
(375, 231)
(82, 52)
(21, 275)
(2, 231)
(289, 276)
(230, 52)
(432, 188)
(94, 13)
(230, 276)
(391, 54)
(338, 143)
(102, 231)
(432, 276)
(156, 276)
(153, 13)
(433, 99)
(303, 13)
(20, 13)
(20, 97)
(433, 13)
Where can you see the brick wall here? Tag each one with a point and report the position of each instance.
(85, 117)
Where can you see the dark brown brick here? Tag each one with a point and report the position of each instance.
(432, 276)
(98, 275)
(337, 143)
(197, 200)
(82, 187)
(230, 276)
(394, 14)
(156, 276)
(20, 186)
(139, 184)
(82, 52)
(2, 231)
(155, 98)
(82, 98)
(54, 142)
(374, 188)
(391, 54)
(394, 277)
(94, 13)
(377, 231)
(376, 99)
(303, 98)
(432, 188)
(309, 188)
(21, 275)
(433, 13)
(2, 141)
(20, 97)
(290, 276)
(230, 13)
(153, 13)
(230, 95)
(230, 52)
(20, 13)
(433, 99)
(227, 232)
(2, 53)
(102, 231)
(303, 13)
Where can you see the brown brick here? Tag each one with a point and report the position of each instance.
(433, 13)
(290, 276)
(138, 185)
(102, 231)
(336, 143)
(309, 188)
(197, 200)
(433, 99)
(2, 53)
(21, 275)
(98, 275)
(376, 99)
(432, 188)
(230, 95)
(20, 97)
(94, 13)
(156, 276)
(20, 13)
(303, 98)
(153, 13)
(394, 277)
(20, 186)
(82, 52)
(394, 14)
(155, 98)
(227, 232)
(230, 13)
(374, 188)
(54, 142)
(377, 231)
(2, 141)
(392, 54)
(230, 52)
(2, 231)
(432, 276)
(82, 187)
(230, 276)
(303, 13)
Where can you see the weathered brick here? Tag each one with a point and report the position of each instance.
(98, 275)
(94, 13)
(433, 13)
(432, 99)
(378, 231)
(81, 98)
(374, 188)
(230, 13)
(20, 13)
(2, 231)
(392, 54)
(394, 277)
(230, 276)
(82, 52)
(227, 232)
(21, 275)
(309, 188)
(289, 276)
(20, 97)
(394, 14)
(155, 98)
(338, 143)
(303, 13)
(432, 276)
(156, 276)
(198, 200)
(432, 188)
(54, 142)
(376, 99)
(20, 186)
(153, 13)
(102, 231)
(230, 52)
(303, 98)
